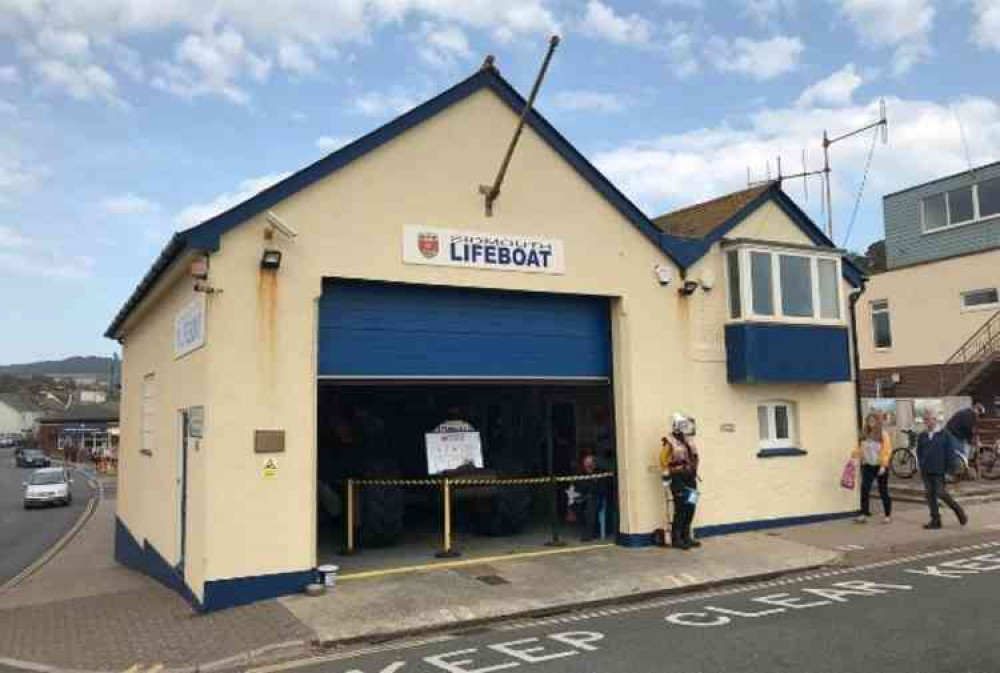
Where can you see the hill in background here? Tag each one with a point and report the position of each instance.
(77, 365)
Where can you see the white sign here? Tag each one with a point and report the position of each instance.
(189, 327)
(479, 250)
(450, 450)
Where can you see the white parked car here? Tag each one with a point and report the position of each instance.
(48, 486)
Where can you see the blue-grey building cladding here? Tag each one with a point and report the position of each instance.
(905, 241)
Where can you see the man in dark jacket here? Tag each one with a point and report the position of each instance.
(933, 455)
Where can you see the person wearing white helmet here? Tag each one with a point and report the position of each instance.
(679, 465)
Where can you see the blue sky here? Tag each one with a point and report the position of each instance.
(124, 120)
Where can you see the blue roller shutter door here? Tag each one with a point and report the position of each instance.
(395, 331)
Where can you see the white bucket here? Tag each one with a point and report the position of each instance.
(328, 574)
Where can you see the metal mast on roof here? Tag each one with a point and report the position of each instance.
(491, 192)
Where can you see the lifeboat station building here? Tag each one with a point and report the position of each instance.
(288, 363)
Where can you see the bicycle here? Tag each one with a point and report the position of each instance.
(988, 461)
(903, 462)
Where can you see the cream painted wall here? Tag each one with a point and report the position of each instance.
(148, 491)
(259, 369)
(926, 317)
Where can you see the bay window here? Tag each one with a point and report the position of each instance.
(783, 285)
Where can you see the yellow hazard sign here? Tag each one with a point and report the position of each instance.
(270, 468)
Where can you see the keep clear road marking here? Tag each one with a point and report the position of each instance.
(832, 593)
(849, 547)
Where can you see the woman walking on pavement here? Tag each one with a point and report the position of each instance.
(873, 453)
(679, 462)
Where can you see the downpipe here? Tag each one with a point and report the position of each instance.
(855, 297)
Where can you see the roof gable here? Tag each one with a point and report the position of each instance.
(207, 235)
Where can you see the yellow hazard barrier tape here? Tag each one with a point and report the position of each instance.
(484, 481)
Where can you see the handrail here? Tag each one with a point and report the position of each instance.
(982, 345)
(986, 326)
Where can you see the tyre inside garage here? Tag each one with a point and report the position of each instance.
(529, 372)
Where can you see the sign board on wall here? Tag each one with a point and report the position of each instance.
(479, 250)
(189, 327)
(451, 450)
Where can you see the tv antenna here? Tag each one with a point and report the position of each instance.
(491, 192)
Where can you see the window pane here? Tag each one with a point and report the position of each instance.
(796, 286)
(934, 212)
(733, 266)
(763, 423)
(883, 334)
(960, 205)
(781, 422)
(981, 297)
(989, 198)
(760, 273)
(880, 305)
(829, 289)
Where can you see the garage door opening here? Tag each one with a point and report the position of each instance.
(523, 377)
(376, 434)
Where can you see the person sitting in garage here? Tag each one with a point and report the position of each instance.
(679, 462)
(591, 495)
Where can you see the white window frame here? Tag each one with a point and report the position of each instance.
(148, 414)
(773, 442)
(980, 307)
(746, 286)
(871, 313)
(977, 215)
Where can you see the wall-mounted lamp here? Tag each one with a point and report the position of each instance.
(707, 280)
(688, 288)
(663, 274)
(271, 259)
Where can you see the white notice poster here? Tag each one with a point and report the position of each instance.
(450, 450)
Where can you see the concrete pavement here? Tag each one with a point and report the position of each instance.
(929, 612)
(27, 534)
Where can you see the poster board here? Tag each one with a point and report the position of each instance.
(452, 445)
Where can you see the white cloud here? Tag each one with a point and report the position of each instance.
(758, 59)
(442, 46)
(199, 212)
(766, 11)
(64, 44)
(331, 143)
(986, 29)
(9, 75)
(292, 57)
(384, 104)
(835, 91)
(211, 63)
(601, 21)
(680, 51)
(47, 265)
(7, 108)
(82, 82)
(128, 61)
(590, 101)
(15, 175)
(10, 238)
(658, 172)
(128, 204)
(904, 25)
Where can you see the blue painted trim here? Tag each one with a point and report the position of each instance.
(787, 353)
(228, 593)
(765, 524)
(207, 235)
(635, 540)
(146, 559)
(774, 453)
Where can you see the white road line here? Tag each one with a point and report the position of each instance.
(850, 547)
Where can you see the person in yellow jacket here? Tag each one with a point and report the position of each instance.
(873, 453)
(679, 467)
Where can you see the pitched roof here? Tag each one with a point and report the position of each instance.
(206, 236)
(20, 403)
(83, 413)
(699, 220)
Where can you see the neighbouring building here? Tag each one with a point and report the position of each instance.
(18, 414)
(318, 332)
(83, 431)
(930, 327)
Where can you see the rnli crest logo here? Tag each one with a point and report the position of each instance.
(429, 245)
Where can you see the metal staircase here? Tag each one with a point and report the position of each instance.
(974, 361)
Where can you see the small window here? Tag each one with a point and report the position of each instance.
(796, 286)
(762, 283)
(881, 328)
(960, 206)
(733, 271)
(776, 421)
(981, 299)
(935, 212)
(829, 289)
(989, 197)
(148, 412)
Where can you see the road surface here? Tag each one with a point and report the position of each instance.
(27, 534)
(929, 612)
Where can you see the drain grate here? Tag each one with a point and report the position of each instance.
(492, 580)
